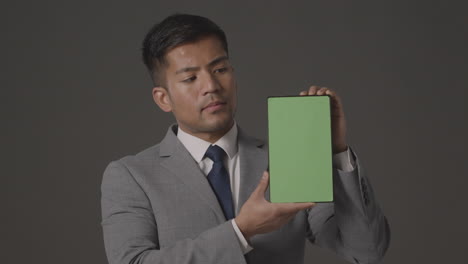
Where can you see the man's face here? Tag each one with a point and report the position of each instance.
(200, 88)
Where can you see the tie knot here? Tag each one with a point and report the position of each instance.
(215, 153)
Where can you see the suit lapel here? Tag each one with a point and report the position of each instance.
(177, 160)
(253, 162)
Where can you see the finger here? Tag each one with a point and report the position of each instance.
(262, 185)
(333, 96)
(331, 93)
(303, 93)
(322, 91)
(289, 208)
(313, 89)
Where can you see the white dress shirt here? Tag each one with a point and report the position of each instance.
(197, 148)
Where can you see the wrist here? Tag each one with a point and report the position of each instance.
(243, 228)
(340, 148)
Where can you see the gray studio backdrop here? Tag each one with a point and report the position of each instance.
(75, 96)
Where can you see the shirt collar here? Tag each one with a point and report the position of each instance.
(197, 147)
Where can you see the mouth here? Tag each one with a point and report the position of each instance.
(214, 106)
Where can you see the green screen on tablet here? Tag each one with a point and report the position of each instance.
(300, 150)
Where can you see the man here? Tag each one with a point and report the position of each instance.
(199, 195)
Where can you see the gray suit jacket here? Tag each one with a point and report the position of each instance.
(158, 207)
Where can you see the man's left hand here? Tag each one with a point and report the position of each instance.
(337, 117)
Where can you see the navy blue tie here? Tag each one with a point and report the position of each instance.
(219, 180)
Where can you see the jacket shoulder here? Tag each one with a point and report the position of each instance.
(140, 164)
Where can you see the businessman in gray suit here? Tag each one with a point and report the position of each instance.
(201, 194)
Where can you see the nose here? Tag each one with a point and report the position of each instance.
(210, 84)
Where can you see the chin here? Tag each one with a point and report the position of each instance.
(219, 125)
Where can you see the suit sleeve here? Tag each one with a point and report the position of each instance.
(354, 225)
(131, 234)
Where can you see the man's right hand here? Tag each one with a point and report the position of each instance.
(258, 216)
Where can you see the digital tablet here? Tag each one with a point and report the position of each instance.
(300, 149)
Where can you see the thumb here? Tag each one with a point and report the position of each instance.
(262, 185)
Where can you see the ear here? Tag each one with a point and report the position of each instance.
(162, 99)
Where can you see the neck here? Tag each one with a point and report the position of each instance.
(211, 136)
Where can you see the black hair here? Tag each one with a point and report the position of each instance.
(173, 31)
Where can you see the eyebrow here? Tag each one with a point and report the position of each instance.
(213, 62)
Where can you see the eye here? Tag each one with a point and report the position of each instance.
(221, 70)
(189, 80)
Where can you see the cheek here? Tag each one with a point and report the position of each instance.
(185, 102)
